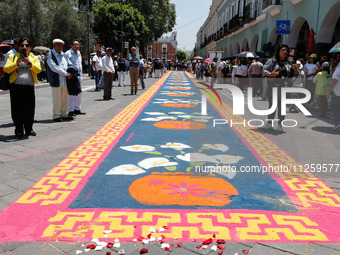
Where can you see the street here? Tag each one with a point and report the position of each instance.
(151, 163)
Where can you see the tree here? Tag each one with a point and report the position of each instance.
(42, 21)
(107, 24)
(181, 55)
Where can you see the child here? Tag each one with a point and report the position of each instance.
(322, 81)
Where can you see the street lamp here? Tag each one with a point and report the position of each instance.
(88, 37)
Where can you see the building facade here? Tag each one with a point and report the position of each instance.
(165, 48)
(234, 26)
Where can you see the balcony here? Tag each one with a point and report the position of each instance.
(294, 1)
(235, 23)
(226, 29)
(249, 13)
(272, 6)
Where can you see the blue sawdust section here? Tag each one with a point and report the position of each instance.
(257, 191)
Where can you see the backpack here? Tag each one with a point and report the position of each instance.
(225, 69)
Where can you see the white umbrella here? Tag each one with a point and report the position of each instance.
(246, 54)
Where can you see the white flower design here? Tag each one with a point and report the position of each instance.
(219, 147)
(128, 169)
(156, 162)
(228, 159)
(179, 113)
(138, 148)
(154, 113)
(177, 146)
(197, 157)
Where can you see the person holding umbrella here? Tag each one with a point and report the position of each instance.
(23, 68)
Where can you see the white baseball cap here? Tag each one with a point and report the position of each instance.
(58, 41)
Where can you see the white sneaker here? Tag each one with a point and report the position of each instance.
(268, 126)
(279, 128)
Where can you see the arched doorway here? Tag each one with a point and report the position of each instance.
(245, 45)
(230, 51)
(299, 36)
(254, 43)
(236, 49)
(329, 32)
(225, 52)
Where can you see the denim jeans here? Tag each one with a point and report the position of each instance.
(97, 76)
(336, 109)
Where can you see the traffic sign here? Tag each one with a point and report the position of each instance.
(126, 45)
(283, 27)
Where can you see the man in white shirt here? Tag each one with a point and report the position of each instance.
(57, 73)
(109, 71)
(74, 57)
(335, 87)
(98, 67)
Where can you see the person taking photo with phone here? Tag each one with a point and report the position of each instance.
(23, 68)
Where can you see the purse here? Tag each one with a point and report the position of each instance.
(4, 80)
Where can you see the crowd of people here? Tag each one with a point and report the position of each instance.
(64, 70)
(319, 75)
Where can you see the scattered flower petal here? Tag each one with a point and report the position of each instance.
(142, 251)
(214, 247)
(205, 247)
(107, 231)
(116, 245)
(220, 252)
(108, 253)
(161, 229)
(99, 248)
(221, 247)
(109, 245)
(152, 239)
(199, 246)
(245, 251)
(91, 246)
(165, 245)
(220, 241)
(167, 249)
(179, 245)
(214, 236)
(145, 241)
(208, 241)
(78, 252)
(152, 230)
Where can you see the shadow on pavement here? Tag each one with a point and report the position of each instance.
(326, 130)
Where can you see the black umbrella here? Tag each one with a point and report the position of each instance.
(335, 48)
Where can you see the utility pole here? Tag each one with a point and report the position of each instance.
(88, 37)
(121, 28)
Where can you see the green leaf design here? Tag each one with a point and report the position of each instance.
(154, 152)
(171, 168)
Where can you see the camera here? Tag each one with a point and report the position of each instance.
(23, 52)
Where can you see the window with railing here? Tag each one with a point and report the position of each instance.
(267, 3)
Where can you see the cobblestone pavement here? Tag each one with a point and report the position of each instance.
(24, 162)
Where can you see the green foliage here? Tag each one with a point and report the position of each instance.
(181, 55)
(42, 21)
(107, 24)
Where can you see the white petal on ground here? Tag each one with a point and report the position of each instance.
(184, 116)
(138, 148)
(166, 117)
(156, 162)
(197, 157)
(176, 146)
(219, 147)
(228, 159)
(150, 119)
(128, 169)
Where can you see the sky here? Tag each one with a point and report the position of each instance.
(191, 15)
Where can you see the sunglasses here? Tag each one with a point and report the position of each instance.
(25, 45)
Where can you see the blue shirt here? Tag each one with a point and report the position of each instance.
(136, 60)
(75, 60)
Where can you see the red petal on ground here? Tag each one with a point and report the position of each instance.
(165, 227)
(179, 245)
(220, 253)
(214, 236)
(108, 253)
(163, 236)
(91, 246)
(109, 245)
(167, 249)
(199, 246)
(220, 241)
(171, 245)
(140, 238)
(221, 247)
(245, 251)
(149, 235)
(142, 251)
(208, 241)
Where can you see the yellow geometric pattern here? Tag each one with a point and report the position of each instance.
(229, 226)
(57, 185)
(272, 155)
